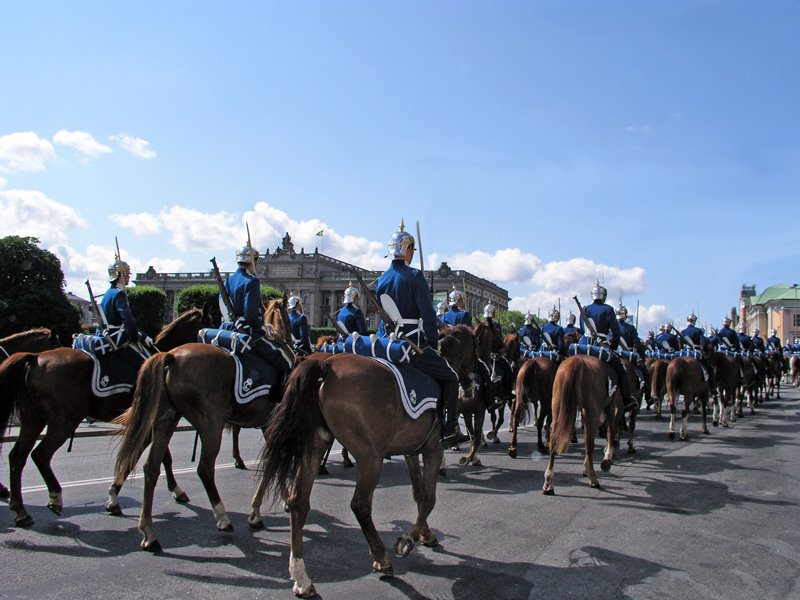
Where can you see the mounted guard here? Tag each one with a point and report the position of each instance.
(553, 334)
(300, 329)
(530, 335)
(350, 315)
(570, 327)
(457, 314)
(629, 345)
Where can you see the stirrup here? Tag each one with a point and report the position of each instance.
(454, 439)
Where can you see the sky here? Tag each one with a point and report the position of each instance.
(542, 145)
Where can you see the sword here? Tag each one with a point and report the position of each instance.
(419, 244)
(101, 316)
(375, 304)
(226, 299)
(589, 323)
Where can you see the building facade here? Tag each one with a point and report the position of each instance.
(777, 307)
(320, 282)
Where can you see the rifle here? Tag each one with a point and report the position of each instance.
(589, 324)
(226, 299)
(101, 317)
(375, 304)
(338, 325)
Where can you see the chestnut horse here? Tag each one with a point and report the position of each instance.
(53, 389)
(355, 400)
(581, 384)
(534, 389)
(685, 378)
(33, 340)
(195, 382)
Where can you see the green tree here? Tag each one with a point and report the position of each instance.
(510, 320)
(32, 290)
(197, 295)
(149, 305)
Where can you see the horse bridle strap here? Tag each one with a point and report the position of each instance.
(3, 350)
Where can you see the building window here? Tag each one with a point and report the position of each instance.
(796, 320)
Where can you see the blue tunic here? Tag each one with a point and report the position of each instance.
(456, 316)
(300, 330)
(119, 316)
(745, 342)
(605, 322)
(353, 319)
(534, 334)
(628, 332)
(774, 343)
(410, 292)
(668, 341)
(695, 334)
(729, 335)
(555, 333)
(244, 290)
(758, 343)
(571, 329)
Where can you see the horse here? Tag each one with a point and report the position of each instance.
(657, 374)
(53, 389)
(685, 378)
(33, 340)
(774, 372)
(355, 400)
(637, 392)
(747, 388)
(581, 384)
(794, 370)
(727, 379)
(533, 386)
(472, 405)
(510, 352)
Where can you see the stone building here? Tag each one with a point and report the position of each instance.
(777, 307)
(320, 281)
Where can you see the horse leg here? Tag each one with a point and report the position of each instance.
(163, 429)
(513, 421)
(17, 458)
(548, 489)
(704, 408)
(631, 431)
(588, 444)
(172, 484)
(211, 440)
(369, 472)
(423, 486)
(687, 400)
(53, 439)
(671, 400)
(237, 458)
(346, 462)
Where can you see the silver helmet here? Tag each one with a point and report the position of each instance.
(692, 318)
(773, 332)
(246, 255)
(651, 334)
(400, 242)
(571, 318)
(726, 321)
(488, 311)
(528, 318)
(117, 268)
(662, 328)
(622, 312)
(456, 295)
(741, 327)
(293, 302)
(554, 315)
(441, 308)
(599, 292)
(350, 294)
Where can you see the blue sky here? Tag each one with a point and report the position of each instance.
(655, 145)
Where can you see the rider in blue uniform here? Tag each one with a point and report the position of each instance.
(666, 340)
(553, 333)
(299, 324)
(774, 342)
(351, 315)
(120, 325)
(606, 327)
(650, 342)
(758, 341)
(530, 336)
(244, 290)
(693, 338)
(457, 315)
(727, 337)
(500, 368)
(441, 309)
(745, 341)
(409, 290)
(570, 326)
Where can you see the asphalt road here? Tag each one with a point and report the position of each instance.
(714, 517)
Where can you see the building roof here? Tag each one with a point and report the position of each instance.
(779, 291)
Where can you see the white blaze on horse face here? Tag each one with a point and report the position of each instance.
(297, 571)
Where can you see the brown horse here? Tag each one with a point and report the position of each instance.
(637, 392)
(685, 378)
(510, 352)
(33, 340)
(355, 400)
(727, 379)
(534, 389)
(581, 384)
(53, 389)
(657, 374)
(774, 374)
(794, 370)
(196, 382)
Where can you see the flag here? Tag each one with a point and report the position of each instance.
(320, 232)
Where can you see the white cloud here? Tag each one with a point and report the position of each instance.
(642, 129)
(502, 266)
(139, 223)
(24, 151)
(134, 145)
(194, 230)
(2, 183)
(83, 142)
(31, 213)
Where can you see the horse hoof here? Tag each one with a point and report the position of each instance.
(378, 568)
(257, 526)
(631, 450)
(477, 463)
(496, 440)
(285, 507)
(705, 430)
(153, 547)
(239, 464)
(114, 510)
(25, 521)
(323, 471)
(550, 492)
(403, 545)
(605, 466)
(491, 435)
(684, 438)
(724, 424)
(311, 592)
(228, 528)
(56, 508)
(442, 472)
(512, 453)
(594, 485)
(4, 493)
(463, 460)
(347, 464)
(182, 498)
(715, 423)
(671, 435)
(430, 543)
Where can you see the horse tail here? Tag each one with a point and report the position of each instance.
(567, 396)
(137, 422)
(13, 391)
(292, 431)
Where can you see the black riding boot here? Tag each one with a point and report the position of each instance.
(450, 434)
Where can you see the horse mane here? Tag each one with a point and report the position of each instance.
(16, 336)
(189, 313)
(275, 314)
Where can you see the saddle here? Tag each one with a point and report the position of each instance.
(419, 392)
(114, 371)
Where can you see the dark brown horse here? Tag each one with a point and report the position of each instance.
(355, 400)
(581, 385)
(727, 380)
(33, 340)
(53, 389)
(637, 392)
(774, 374)
(510, 352)
(534, 394)
(657, 374)
(685, 378)
(196, 382)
